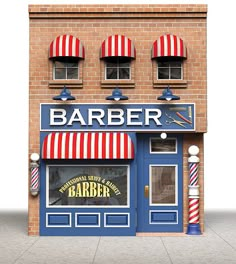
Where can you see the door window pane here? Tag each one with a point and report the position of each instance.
(163, 146)
(163, 184)
(87, 186)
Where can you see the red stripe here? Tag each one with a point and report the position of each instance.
(89, 146)
(59, 145)
(103, 145)
(116, 45)
(74, 146)
(161, 46)
(168, 46)
(96, 146)
(67, 146)
(129, 47)
(111, 146)
(181, 48)
(103, 49)
(122, 45)
(52, 154)
(70, 46)
(81, 145)
(45, 147)
(51, 50)
(118, 146)
(64, 45)
(175, 46)
(57, 46)
(154, 49)
(77, 43)
(109, 46)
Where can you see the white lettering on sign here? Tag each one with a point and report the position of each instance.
(114, 114)
(155, 117)
(115, 117)
(56, 114)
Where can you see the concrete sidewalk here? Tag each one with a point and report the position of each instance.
(217, 245)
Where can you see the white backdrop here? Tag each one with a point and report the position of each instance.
(220, 176)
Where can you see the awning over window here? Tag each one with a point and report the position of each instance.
(169, 46)
(66, 46)
(65, 145)
(117, 46)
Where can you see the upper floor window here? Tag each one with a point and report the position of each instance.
(117, 68)
(66, 69)
(169, 68)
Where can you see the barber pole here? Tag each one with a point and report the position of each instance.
(193, 226)
(34, 167)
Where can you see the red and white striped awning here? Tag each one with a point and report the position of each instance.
(87, 145)
(66, 46)
(169, 46)
(117, 46)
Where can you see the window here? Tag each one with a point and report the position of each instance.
(117, 69)
(166, 146)
(87, 186)
(169, 69)
(66, 69)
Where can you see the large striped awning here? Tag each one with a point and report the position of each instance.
(87, 145)
(66, 46)
(169, 46)
(117, 46)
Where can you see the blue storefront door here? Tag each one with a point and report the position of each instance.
(160, 184)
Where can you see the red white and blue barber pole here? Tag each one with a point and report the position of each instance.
(193, 161)
(34, 179)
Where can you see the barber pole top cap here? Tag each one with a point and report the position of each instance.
(193, 150)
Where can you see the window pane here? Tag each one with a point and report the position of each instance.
(175, 63)
(175, 73)
(87, 185)
(111, 73)
(124, 73)
(163, 73)
(111, 64)
(160, 145)
(72, 64)
(72, 73)
(163, 185)
(60, 73)
(59, 64)
(163, 64)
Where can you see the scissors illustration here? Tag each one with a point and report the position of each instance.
(172, 120)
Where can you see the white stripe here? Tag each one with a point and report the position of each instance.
(92, 145)
(172, 46)
(70, 146)
(107, 145)
(78, 146)
(122, 145)
(114, 145)
(100, 145)
(63, 145)
(119, 45)
(165, 46)
(73, 46)
(178, 47)
(113, 46)
(60, 45)
(49, 145)
(129, 148)
(85, 145)
(56, 146)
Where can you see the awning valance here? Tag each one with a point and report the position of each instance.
(169, 46)
(117, 46)
(87, 145)
(66, 46)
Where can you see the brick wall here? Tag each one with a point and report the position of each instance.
(143, 24)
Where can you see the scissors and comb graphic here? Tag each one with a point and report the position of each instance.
(182, 121)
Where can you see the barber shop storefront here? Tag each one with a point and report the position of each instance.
(117, 120)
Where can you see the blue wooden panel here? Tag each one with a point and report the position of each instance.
(117, 220)
(87, 220)
(163, 217)
(58, 219)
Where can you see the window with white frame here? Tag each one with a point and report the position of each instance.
(66, 69)
(169, 69)
(117, 68)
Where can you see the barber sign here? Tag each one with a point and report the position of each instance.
(117, 117)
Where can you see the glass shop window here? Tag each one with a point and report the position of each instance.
(163, 185)
(87, 186)
(169, 69)
(158, 145)
(118, 68)
(66, 69)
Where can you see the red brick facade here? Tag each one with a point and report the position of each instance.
(143, 24)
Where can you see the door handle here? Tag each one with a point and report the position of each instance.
(146, 191)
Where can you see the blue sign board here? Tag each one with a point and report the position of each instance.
(117, 117)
